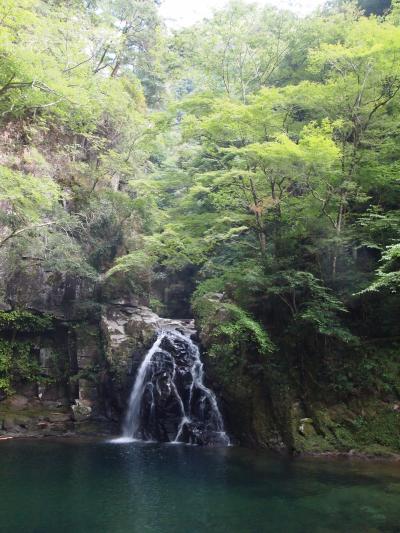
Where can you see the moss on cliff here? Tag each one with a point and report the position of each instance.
(369, 427)
(241, 365)
(24, 321)
(264, 409)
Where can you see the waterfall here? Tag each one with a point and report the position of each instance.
(169, 401)
(130, 427)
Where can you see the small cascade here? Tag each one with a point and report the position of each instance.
(169, 401)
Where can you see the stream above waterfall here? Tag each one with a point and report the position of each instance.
(169, 401)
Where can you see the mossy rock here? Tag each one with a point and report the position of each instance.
(369, 427)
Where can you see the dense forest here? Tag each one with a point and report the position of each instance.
(243, 170)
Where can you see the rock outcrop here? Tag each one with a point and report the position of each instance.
(128, 332)
(86, 358)
(169, 401)
(87, 369)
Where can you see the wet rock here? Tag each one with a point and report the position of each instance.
(81, 411)
(88, 346)
(175, 405)
(127, 331)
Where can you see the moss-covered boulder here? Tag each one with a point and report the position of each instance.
(360, 427)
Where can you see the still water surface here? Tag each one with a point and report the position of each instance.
(84, 487)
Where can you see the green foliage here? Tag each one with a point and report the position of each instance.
(74, 132)
(27, 196)
(24, 321)
(157, 306)
(388, 274)
(231, 328)
(310, 302)
(283, 191)
(17, 364)
(241, 328)
(381, 427)
(237, 51)
(136, 266)
(370, 370)
(5, 365)
(265, 171)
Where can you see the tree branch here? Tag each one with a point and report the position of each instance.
(18, 232)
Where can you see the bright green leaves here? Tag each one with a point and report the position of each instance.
(223, 120)
(269, 182)
(130, 273)
(237, 51)
(388, 274)
(33, 75)
(319, 149)
(367, 41)
(231, 329)
(27, 201)
(283, 158)
(310, 303)
(175, 248)
(135, 45)
(278, 154)
(76, 131)
(136, 263)
(54, 63)
(27, 197)
(362, 75)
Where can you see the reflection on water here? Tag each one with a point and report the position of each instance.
(85, 487)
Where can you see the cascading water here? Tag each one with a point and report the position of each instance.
(169, 401)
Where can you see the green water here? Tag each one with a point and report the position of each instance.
(84, 487)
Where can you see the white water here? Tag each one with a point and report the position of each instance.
(197, 372)
(214, 422)
(132, 418)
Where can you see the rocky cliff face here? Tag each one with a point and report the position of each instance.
(264, 409)
(86, 372)
(255, 408)
(88, 354)
(85, 359)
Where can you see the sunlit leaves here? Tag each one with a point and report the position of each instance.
(388, 274)
(26, 197)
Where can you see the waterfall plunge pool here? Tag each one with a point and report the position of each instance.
(85, 486)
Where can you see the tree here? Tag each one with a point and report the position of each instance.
(25, 203)
(238, 50)
(388, 274)
(368, 7)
